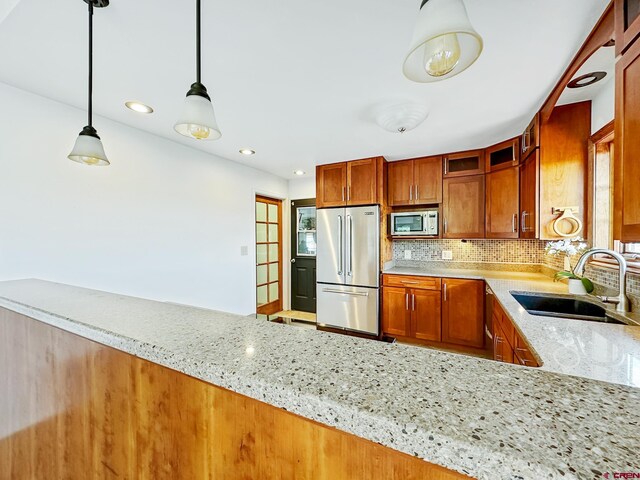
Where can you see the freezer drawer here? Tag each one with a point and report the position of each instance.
(352, 308)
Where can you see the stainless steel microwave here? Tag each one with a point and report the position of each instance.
(423, 223)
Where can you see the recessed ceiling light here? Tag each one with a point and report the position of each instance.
(247, 151)
(299, 172)
(586, 80)
(138, 107)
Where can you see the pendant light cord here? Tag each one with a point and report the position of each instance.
(90, 109)
(198, 43)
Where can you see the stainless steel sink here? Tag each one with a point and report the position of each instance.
(563, 306)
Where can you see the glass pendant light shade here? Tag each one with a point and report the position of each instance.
(444, 42)
(88, 149)
(198, 119)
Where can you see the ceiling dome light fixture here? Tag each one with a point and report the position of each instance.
(444, 42)
(401, 117)
(586, 80)
(88, 148)
(138, 107)
(247, 151)
(198, 119)
(299, 172)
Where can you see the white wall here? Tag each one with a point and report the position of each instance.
(302, 188)
(603, 106)
(164, 221)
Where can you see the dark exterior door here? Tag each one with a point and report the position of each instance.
(303, 255)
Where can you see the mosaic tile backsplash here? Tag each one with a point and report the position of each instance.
(509, 252)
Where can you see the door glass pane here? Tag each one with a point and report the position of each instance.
(464, 164)
(262, 295)
(273, 272)
(273, 233)
(261, 254)
(261, 232)
(261, 274)
(273, 291)
(261, 212)
(273, 253)
(273, 213)
(306, 219)
(307, 244)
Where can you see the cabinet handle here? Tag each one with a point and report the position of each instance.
(413, 301)
(343, 193)
(349, 193)
(406, 301)
(410, 193)
(499, 358)
(407, 282)
(417, 193)
(445, 225)
(446, 166)
(514, 221)
(523, 350)
(445, 292)
(523, 221)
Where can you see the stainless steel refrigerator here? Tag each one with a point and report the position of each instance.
(348, 268)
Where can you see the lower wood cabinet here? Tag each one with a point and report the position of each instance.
(508, 345)
(463, 312)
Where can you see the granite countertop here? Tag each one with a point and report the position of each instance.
(487, 419)
(600, 351)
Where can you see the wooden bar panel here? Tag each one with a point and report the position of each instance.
(73, 409)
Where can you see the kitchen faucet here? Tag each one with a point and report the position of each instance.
(621, 300)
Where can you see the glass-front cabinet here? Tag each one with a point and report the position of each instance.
(306, 231)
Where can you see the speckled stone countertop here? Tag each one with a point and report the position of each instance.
(599, 351)
(490, 420)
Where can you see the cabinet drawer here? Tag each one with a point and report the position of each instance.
(523, 353)
(407, 281)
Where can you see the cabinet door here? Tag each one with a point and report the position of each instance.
(331, 184)
(627, 13)
(464, 163)
(427, 180)
(627, 191)
(463, 312)
(530, 138)
(529, 196)
(463, 207)
(503, 155)
(395, 311)
(501, 348)
(361, 182)
(426, 316)
(503, 199)
(400, 183)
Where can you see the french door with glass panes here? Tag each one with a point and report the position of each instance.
(268, 255)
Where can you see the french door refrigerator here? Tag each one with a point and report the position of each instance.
(348, 268)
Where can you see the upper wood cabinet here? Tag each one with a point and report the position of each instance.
(627, 144)
(463, 207)
(463, 312)
(503, 200)
(530, 138)
(503, 155)
(464, 163)
(627, 23)
(529, 198)
(415, 182)
(349, 183)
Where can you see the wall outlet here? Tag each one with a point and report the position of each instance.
(244, 251)
(447, 254)
(407, 254)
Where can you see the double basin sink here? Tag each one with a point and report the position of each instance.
(563, 306)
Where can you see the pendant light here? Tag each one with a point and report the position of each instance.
(88, 148)
(444, 42)
(198, 119)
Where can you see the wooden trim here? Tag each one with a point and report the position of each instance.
(72, 408)
(275, 306)
(605, 134)
(601, 34)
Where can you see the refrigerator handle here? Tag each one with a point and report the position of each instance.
(350, 239)
(340, 247)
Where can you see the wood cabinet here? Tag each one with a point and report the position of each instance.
(530, 139)
(508, 344)
(411, 310)
(529, 199)
(503, 200)
(503, 155)
(358, 182)
(502, 351)
(463, 312)
(627, 144)
(463, 207)
(627, 23)
(415, 182)
(464, 163)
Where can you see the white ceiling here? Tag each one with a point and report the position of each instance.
(297, 80)
(603, 60)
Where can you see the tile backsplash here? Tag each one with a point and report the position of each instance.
(510, 252)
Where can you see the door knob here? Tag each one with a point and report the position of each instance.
(293, 260)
